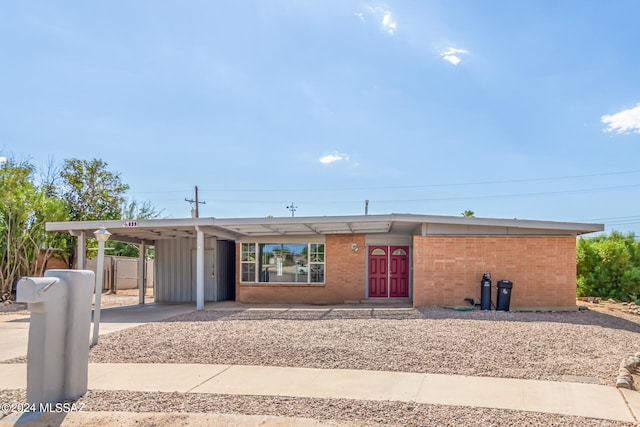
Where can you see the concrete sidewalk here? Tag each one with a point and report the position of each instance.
(587, 400)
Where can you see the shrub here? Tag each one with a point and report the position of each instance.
(609, 267)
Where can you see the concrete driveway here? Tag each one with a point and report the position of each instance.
(14, 328)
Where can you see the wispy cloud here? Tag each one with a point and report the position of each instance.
(625, 121)
(388, 23)
(332, 158)
(381, 15)
(452, 55)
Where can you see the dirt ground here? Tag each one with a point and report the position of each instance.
(608, 306)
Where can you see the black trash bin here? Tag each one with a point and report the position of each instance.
(485, 292)
(504, 295)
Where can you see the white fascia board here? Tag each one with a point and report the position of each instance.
(411, 218)
(81, 225)
(501, 222)
(117, 224)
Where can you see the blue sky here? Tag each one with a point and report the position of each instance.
(512, 109)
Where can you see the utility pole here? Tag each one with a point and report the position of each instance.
(366, 207)
(292, 208)
(197, 202)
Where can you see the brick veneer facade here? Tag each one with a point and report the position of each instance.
(344, 277)
(447, 269)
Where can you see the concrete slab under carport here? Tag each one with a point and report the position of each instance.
(14, 329)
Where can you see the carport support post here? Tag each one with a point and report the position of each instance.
(82, 242)
(142, 268)
(199, 269)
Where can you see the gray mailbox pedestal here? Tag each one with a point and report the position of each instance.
(58, 351)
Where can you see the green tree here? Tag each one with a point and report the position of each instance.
(91, 191)
(609, 267)
(137, 210)
(79, 191)
(24, 209)
(468, 214)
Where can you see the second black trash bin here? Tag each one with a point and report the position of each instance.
(503, 299)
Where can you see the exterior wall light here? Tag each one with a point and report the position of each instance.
(354, 247)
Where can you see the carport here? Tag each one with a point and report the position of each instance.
(145, 233)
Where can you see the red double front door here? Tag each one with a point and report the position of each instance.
(388, 272)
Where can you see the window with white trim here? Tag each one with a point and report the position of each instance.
(248, 262)
(282, 262)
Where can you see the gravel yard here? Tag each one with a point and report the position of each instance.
(354, 413)
(575, 346)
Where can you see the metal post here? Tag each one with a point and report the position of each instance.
(292, 208)
(142, 269)
(199, 269)
(81, 251)
(196, 212)
(99, 278)
(102, 236)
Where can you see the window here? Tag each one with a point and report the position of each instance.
(248, 262)
(282, 262)
(317, 263)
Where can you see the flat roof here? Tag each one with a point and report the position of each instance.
(149, 230)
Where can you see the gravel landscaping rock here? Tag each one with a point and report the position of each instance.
(541, 346)
(350, 412)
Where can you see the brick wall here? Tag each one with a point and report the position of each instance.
(344, 277)
(447, 269)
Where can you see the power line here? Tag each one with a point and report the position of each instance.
(515, 196)
(394, 187)
(610, 218)
(440, 199)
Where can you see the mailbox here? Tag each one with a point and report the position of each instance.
(58, 349)
(33, 289)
